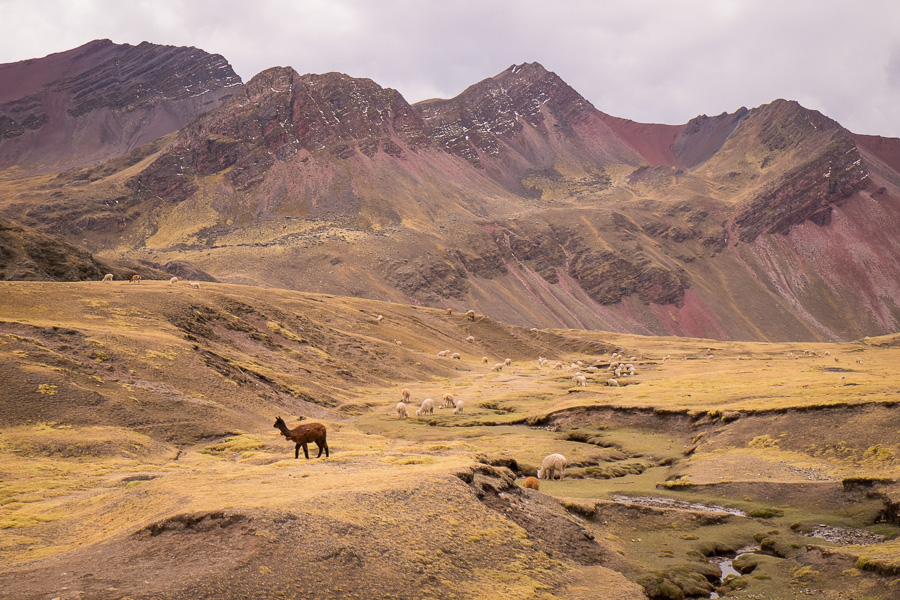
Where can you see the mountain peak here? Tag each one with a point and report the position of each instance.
(102, 99)
(526, 68)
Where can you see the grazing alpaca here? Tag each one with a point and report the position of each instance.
(404, 394)
(532, 483)
(135, 279)
(447, 401)
(552, 467)
(484, 360)
(194, 284)
(427, 407)
(108, 277)
(303, 435)
(402, 411)
(173, 281)
(449, 311)
(470, 314)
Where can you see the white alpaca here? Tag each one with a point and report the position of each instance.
(108, 277)
(552, 467)
(194, 285)
(427, 407)
(497, 367)
(459, 407)
(612, 383)
(402, 411)
(447, 401)
(173, 281)
(404, 394)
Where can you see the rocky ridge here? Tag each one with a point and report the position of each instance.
(103, 99)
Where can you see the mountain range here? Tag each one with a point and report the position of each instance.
(517, 198)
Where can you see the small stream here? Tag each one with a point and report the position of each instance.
(657, 502)
(726, 564)
(837, 535)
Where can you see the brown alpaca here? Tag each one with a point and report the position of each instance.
(302, 435)
(135, 279)
(532, 483)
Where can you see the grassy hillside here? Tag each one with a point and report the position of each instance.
(139, 458)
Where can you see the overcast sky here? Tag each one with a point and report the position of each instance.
(660, 61)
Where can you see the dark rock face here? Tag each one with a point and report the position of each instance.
(703, 136)
(606, 276)
(426, 279)
(140, 76)
(102, 99)
(806, 192)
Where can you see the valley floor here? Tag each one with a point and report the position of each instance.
(139, 458)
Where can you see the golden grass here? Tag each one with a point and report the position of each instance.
(68, 483)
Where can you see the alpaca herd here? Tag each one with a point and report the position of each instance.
(109, 277)
(427, 406)
(609, 371)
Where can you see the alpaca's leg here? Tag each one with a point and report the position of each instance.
(322, 446)
(297, 451)
(305, 450)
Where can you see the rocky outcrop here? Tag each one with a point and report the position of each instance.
(281, 116)
(606, 276)
(28, 255)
